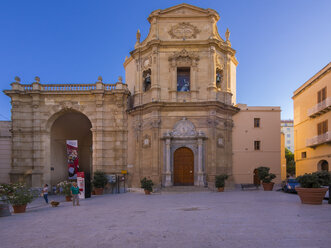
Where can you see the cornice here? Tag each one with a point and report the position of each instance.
(313, 80)
(165, 106)
(184, 44)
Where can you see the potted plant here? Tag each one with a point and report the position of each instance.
(311, 190)
(266, 177)
(18, 195)
(147, 185)
(220, 182)
(65, 189)
(100, 180)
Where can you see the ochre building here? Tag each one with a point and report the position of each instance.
(172, 119)
(312, 120)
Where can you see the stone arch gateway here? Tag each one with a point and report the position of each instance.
(37, 107)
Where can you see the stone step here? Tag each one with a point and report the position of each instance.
(185, 189)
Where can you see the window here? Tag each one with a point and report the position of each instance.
(288, 135)
(288, 129)
(322, 127)
(288, 142)
(257, 145)
(256, 122)
(183, 79)
(321, 95)
(303, 154)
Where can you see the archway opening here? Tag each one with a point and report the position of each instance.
(323, 165)
(70, 126)
(183, 167)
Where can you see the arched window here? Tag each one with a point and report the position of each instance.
(323, 165)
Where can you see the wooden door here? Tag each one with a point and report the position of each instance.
(183, 166)
(256, 178)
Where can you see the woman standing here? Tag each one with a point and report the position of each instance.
(45, 193)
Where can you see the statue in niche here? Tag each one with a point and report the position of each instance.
(219, 77)
(147, 80)
(183, 79)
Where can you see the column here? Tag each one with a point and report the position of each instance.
(168, 172)
(200, 169)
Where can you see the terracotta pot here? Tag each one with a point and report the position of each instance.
(19, 209)
(311, 195)
(220, 189)
(68, 198)
(268, 186)
(98, 191)
(147, 192)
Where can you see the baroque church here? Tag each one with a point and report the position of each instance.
(172, 120)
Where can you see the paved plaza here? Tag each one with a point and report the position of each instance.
(195, 219)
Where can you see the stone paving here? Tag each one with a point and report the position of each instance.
(195, 219)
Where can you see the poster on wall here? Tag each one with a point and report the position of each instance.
(72, 154)
(81, 184)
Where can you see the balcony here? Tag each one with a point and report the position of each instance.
(320, 108)
(318, 140)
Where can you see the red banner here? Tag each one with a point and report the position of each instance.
(72, 153)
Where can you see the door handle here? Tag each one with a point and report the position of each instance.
(191, 172)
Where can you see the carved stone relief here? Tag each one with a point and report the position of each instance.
(146, 141)
(183, 30)
(184, 128)
(183, 58)
(146, 63)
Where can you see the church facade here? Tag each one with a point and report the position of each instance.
(171, 121)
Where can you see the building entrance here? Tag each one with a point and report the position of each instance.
(183, 167)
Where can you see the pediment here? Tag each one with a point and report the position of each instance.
(184, 10)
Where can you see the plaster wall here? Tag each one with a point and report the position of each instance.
(5, 151)
(245, 158)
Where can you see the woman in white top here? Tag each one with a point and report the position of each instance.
(45, 193)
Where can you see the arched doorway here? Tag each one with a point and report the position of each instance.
(70, 126)
(323, 165)
(183, 166)
(256, 179)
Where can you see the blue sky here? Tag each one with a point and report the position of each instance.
(280, 44)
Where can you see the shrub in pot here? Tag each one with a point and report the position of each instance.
(100, 180)
(266, 177)
(147, 185)
(18, 195)
(220, 182)
(65, 189)
(311, 190)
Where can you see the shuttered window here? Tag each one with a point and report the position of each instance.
(322, 127)
(321, 95)
(256, 122)
(257, 145)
